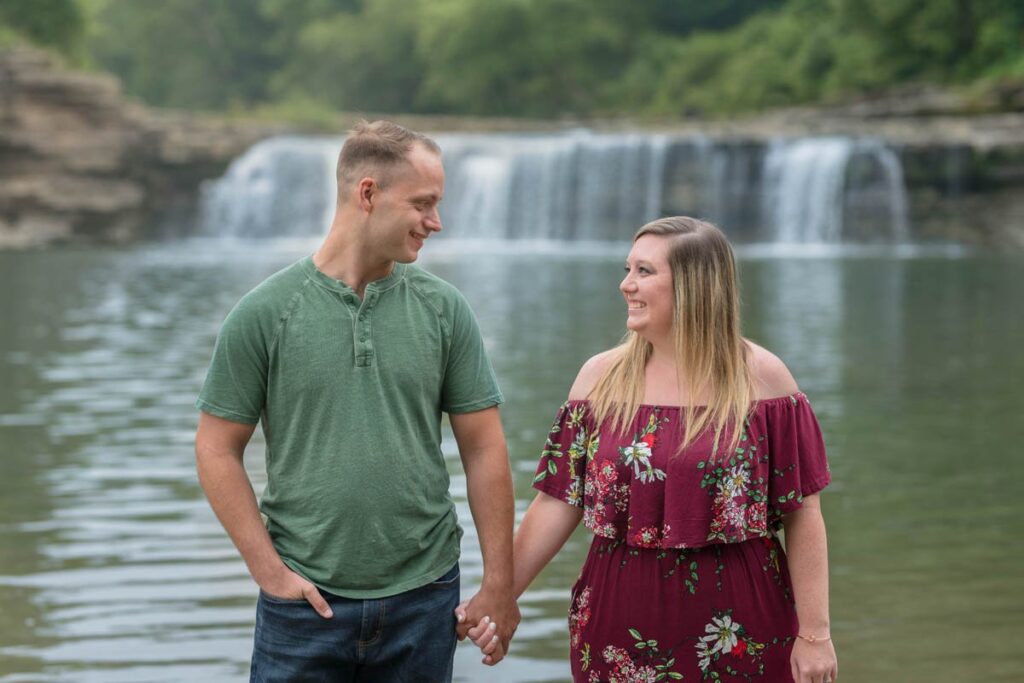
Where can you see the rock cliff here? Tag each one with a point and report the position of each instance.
(79, 163)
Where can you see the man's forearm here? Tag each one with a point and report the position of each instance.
(491, 501)
(230, 493)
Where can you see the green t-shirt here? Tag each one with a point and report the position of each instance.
(350, 394)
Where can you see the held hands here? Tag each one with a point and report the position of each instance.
(814, 662)
(288, 585)
(489, 620)
(484, 635)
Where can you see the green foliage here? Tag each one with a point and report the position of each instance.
(519, 57)
(302, 112)
(540, 58)
(683, 18)
(186, 53)
(51, 23)
(358, 57)
(764, 63)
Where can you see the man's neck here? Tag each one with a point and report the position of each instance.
(343, 256)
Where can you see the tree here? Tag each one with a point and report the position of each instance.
(362, 58)
(521, 57)
(187, 53)
(51, 23)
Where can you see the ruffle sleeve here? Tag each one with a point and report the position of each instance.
(570, 444)
(799, 466)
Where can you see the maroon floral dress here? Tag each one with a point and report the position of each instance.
(686, 579)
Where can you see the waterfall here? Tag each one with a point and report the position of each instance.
(808, 196)
(803, 186)
(577, 185)
(581, 185)
(281, 187)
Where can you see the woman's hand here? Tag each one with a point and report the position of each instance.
(485, 636)
(814, 662)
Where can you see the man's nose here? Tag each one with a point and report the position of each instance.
(433, 221)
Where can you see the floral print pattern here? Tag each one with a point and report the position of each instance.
(646, 665)
(638, 454)
(726, 637)
(738, 508)
(686, 579)
(579, 615)
(623, 483)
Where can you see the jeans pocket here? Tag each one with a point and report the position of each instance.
(450, 578)
(282, 601)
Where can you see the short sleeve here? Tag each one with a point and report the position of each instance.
(236, 382)
(570, 445)
(469, 381)
(796, 452)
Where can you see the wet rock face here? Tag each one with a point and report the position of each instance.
(967, 190)
(78, 163)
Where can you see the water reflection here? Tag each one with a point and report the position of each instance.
(113, 568)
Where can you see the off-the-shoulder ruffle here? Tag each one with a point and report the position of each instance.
(636, 488)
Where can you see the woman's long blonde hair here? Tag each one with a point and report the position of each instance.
(710, 352)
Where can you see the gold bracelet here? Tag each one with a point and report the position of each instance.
(814, 639)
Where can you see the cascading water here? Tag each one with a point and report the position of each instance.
(578, 185)
(281, 187)
(803, 189)
(807, 193)
(581, 185)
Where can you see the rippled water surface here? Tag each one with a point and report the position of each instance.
(113, 568)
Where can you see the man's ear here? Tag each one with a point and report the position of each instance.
(367, 190)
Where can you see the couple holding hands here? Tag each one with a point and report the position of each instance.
(686, 450)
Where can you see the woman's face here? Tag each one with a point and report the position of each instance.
(647, 287)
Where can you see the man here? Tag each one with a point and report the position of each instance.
(348, 358)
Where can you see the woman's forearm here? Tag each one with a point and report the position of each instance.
(807, 553)
(544, 530)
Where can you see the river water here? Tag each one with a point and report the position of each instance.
(113, 568)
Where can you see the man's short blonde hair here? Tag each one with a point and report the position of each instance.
(375, 149)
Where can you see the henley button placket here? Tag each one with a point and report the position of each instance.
(364, 346)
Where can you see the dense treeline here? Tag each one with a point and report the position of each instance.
(58, 24)
(528, 57)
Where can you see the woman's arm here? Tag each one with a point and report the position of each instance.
(544, 530)
(807, 553)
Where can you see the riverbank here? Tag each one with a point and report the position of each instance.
(80, 163)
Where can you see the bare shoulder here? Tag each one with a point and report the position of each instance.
(771, 376)
(590, 373)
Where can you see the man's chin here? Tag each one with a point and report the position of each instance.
(408, 257)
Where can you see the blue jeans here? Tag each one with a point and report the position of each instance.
(404, 638)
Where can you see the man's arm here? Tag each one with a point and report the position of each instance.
(491, 501)
(220, 445)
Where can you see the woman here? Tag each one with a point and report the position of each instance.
(686, 578)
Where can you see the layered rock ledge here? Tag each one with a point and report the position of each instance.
(80, 163)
